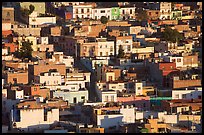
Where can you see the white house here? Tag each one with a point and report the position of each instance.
(82, 10)
(72, 96)
(105, 48)
(126, 43)
(165, 10)
(21, 118)
(128, 113)
(127, 12)
(138, 88)
(34, 19)
(108, 96)
(97, 13)
(176, 59)
(187, 93)
(49, 78)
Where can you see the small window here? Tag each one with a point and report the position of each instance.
(8, 14)
(178, 60)
(102, 11)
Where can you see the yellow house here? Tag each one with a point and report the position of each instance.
(148, 90)
(154, 126)
(32, 39)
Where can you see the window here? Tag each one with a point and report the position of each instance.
(177, 96)
(112, 98)
(150, 13)
(178, 60)
(173, 60)
(76, 11)
(184, 96)
(111, 48)
(75, 100)
(95, 11)
(82, 10)
(102, 11)
(8, 14)
(123, 11)
(87, 10)
(139, 88)
(106, 53)
(106, 98)
(130, 11)
(101, 53)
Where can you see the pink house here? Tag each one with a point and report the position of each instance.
(141, 102)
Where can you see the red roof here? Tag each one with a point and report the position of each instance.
(6, 32)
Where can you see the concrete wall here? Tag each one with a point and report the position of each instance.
(38, 121)
(190, 94)
(69, 96)
(107, 121)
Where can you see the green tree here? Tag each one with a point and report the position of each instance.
(141, 15)
(121, 52)
(104, 19)
(25, 50)
(32, 8)
(171, 35)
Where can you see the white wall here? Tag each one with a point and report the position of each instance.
(6, 26)
(105, 48)
(128, 114)
(19, 94)
(108, 94)
(96, 12)
(178, 94)
(41, 20)
(4, 51)
(26, 121)
(106, 121)
(69, 96)
(50, 80)
(138, 88)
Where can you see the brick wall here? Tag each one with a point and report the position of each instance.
(186, 83)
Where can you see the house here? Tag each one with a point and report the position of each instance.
(15, 93)
(48, 78)
(31, 39)
(40, 7)
(35, 19)
(26, 30)
(8, 15)
(154, 126)
(176, 14)
(83, 10)
(72, 96)
(17, 77)
(20, 116)
(97, 13)
(113, 116)
(186, 93)
(140, 102)
(12, 47)
(89, 129)
(153, 14)
(126, 43)
(107, 95)
(177, 59)
(127, 12)
(182, 105)
(105, 48)
(165, 10)
(36, 69)
(115, 13)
